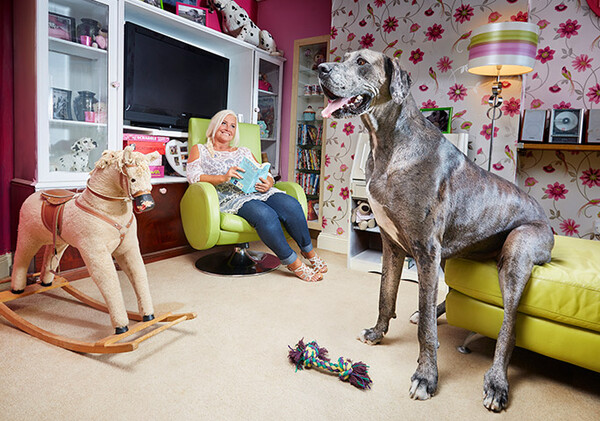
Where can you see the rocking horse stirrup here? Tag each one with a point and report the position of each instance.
(111, 344)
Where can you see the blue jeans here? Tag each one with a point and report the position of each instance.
(266, 217)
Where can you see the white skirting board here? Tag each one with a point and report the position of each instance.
(332, 243)
(5, 265)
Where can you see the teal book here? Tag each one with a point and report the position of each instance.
(252, 174)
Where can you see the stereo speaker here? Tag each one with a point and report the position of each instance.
(593, 126)
(534, 125)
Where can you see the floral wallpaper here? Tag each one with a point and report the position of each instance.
(566, 75)
(430, 38)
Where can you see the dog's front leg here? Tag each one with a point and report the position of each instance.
(392, 263)
(424, 380)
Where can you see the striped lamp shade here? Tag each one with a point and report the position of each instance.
(503, 49)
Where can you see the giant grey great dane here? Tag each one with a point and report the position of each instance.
(433, 203)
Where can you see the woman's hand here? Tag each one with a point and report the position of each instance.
(264, 185)
(233, 172)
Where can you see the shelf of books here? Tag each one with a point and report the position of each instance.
(308, 163)
(307, 126)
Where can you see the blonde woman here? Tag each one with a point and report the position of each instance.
(217, 161)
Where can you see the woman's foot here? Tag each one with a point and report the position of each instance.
(304, 272)
(315, 261)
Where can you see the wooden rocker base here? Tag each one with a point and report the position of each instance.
(109, 345)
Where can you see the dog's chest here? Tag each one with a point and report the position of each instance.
(383, 220)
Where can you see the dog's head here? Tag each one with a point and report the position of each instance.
(84, 144)
(219, 5)
(363, 80)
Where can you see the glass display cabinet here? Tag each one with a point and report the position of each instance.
(268, 111)
(307, 128)
(76, 59)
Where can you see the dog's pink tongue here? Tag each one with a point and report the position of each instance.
(334, 105)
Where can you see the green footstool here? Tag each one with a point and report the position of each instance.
(559, 313)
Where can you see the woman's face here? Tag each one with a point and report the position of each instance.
(225, 133)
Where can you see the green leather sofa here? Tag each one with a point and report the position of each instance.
(559, 313)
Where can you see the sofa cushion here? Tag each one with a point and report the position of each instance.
(234, 223)
(566, 290)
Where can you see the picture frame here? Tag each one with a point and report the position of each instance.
(61, 26)
(61, 104)
(439, 117)
(155, 3)
(171, 5)
(194, 13)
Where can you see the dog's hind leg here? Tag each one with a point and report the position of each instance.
(392, 263)
(524, 247)
(424, 380)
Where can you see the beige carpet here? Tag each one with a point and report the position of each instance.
(231, 362)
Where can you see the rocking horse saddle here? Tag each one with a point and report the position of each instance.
(52, 209)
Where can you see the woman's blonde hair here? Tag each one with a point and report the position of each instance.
(214, 125)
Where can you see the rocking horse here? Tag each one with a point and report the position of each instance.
(100, 223)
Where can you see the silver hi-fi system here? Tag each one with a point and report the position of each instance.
(566, 126)
(534, 125)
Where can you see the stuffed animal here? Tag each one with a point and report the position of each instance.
(236, 22)
(78, 160)
(363, 216)
(318, 59)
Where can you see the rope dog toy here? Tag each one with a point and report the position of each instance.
(311, 355)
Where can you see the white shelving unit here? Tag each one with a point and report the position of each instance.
(50, 62)
(364, 246)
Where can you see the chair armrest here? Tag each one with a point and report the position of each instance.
(200, 215)
(294, 189)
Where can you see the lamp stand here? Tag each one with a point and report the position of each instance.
(495, 102)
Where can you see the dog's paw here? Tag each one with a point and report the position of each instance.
(370, 336)
(422, 388)
(495, 393)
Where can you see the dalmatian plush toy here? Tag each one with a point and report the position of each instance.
(236, 22)
(78, 160)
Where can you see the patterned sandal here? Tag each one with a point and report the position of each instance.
(317, 264)
(306, 274)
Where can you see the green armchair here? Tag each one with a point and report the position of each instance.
(205, 226)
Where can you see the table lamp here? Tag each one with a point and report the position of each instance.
(502, 49)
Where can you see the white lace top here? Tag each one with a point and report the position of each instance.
(231, 199)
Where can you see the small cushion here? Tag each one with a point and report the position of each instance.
(566, 290)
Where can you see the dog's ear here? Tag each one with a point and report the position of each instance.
(399, 80)
(76, 147)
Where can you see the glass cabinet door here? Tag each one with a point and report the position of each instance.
(269, 108)
(307, 123)
(81, 34)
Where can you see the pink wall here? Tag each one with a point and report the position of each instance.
(287, 21)
(6, 122)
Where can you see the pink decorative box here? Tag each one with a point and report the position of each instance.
(157, 171)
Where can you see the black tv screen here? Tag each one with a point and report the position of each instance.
(168, 81)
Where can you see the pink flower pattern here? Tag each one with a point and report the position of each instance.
(457, 92)
(569, 227)
(568, 38)
(568, 29)
(556, 191)
(463, 13)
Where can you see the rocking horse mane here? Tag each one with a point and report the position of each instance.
(121, 159)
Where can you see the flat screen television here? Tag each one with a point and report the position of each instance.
(168, 81)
